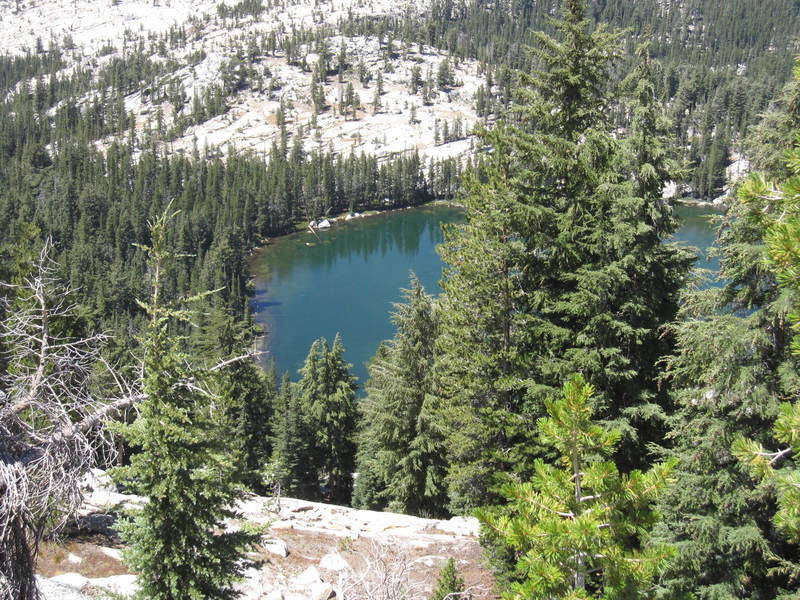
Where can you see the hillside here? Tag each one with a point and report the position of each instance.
(263, 65)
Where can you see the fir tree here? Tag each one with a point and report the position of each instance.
(188, 479)
(554, 271)
(327, 414)
(732, 370)
(400, 445)
(580, 529)
(334, 412)
(291, 452)
(247, 387)
(783, 248)
(482, 341)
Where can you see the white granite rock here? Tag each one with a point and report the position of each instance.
(278, 547)
(333, 562)
(73, 580)
(321, 591)
(306, 579)
(124, 585)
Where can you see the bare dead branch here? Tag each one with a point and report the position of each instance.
(385, 574)
(51, 421)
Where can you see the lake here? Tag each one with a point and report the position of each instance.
(347, 281)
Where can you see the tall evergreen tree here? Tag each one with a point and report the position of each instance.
(732, 370)
(250, 391)
(335, 414)
(290, 449)
(327, 415)
(554, 270)
(399, 445)
(186, 475)
(783, 247)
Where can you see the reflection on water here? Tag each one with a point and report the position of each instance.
(344, 282)
(347, 280)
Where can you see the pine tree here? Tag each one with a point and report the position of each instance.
(732, 370)
(580, 529)
(376, 99)
(449, 585)
(291, 452)
(783, 247)
(250, 391)
(400, 445)
(326, 411)
(554, 271)
(187, 477)
(335, 415)
(482, 341)
(777, 131)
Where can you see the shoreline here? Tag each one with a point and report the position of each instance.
(689, 201)
(341, 218)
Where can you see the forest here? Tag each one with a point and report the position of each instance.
(619, 429)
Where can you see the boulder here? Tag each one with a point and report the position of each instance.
(321, 591)
(51, 590)
(250, 587)
(123, 585)
(111, 552)
(670, 190)
(467, 526)
(94, 522)
(278, 547)
(306, 579)
(333, 562)
(324, 224)
(97, 480)
(75, 581)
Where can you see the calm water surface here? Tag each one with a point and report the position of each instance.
(347, 282)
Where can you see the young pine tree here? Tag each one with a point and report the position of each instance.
(449, 585)
(177, 542)
(579, 529)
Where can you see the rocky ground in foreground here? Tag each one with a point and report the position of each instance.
(310, 551)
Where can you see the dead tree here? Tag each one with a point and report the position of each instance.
(51, 421)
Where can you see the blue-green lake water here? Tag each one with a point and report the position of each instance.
(348, 281)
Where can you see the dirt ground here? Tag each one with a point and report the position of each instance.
(420, 565)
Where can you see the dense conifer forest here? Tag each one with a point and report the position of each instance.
(620, 430)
